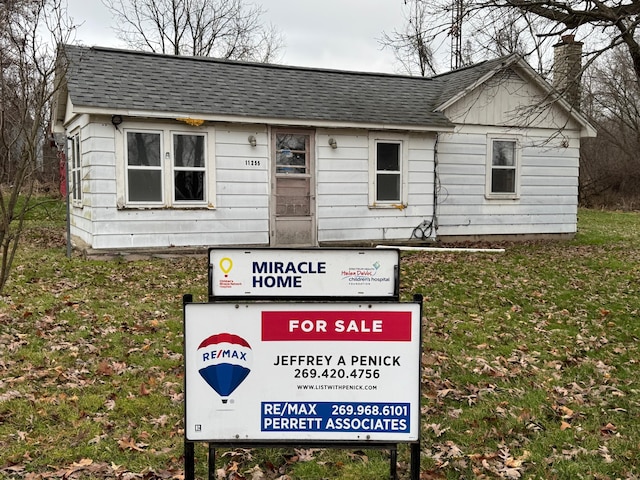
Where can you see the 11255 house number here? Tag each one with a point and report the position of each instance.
(252, 163)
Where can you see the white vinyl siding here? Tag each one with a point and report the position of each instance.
(344, 193)
(240, 183)
(548, 188)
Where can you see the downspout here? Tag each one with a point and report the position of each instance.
(68, 195)
(436, 187)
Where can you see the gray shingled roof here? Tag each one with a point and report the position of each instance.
(127, 80)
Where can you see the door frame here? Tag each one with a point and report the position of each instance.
(311, 173)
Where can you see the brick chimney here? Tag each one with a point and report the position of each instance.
(567, 69)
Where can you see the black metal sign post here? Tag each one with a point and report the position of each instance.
(281, 279)
(189, 450)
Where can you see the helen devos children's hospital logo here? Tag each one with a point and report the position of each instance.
(224, 361)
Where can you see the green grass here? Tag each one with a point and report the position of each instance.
(530, 364)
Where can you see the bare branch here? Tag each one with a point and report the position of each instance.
(221, 28)
(29, 34)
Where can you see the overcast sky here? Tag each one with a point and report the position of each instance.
(340, 34)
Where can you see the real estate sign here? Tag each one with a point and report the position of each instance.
(279, 273)
(302, 372)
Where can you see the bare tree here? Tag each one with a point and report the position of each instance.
(529, 26)
(610, 173)
(213, 28)
(471, 33)
(614, 22)
(412, 45)
(30, 30)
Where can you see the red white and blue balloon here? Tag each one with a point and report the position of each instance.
(224, 361)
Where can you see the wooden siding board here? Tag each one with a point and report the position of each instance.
(97, 144)
(102, 200)
(178, 227)
(99, 172)
(343, 165)
(99, 185)
(339, 188)
(455, 202)
(242, 176)
(242, 201)
(512, 211)
(550, 191)
(474, 170)
(549, 171)
(160, 241)
(240, 151)
(551, 181)
(424, 179)
(331, 177)
(345, 199)
(514, 221)
(169, 215)
(237, 188)
(379, 235)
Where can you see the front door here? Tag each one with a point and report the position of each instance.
(293, 191)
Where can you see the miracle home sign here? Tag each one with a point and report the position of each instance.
(302, 372)
(277, 273)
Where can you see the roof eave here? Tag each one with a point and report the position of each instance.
(298, 122)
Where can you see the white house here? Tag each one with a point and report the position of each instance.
(171, 151)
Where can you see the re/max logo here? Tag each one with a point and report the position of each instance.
(214, 354)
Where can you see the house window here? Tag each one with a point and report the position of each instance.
(503, 167)
(144, 167)
(388, 172)
(166, 168)
(189, 156)
(75, 170)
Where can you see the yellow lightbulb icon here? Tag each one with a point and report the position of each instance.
(226, 265)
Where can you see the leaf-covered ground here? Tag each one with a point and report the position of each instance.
(530, 364)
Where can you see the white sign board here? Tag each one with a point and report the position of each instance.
(302, 372)
(270, 272)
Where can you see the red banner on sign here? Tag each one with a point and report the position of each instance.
(336, 326)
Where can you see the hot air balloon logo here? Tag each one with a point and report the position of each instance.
(226, 264)
(224, 361)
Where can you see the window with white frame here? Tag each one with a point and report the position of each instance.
(144, 167)
(387, 174)
(503, 168)
(388, 171)
(189, 160)
(75, 170)
(165, 168)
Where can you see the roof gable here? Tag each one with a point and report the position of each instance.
(533, 101)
